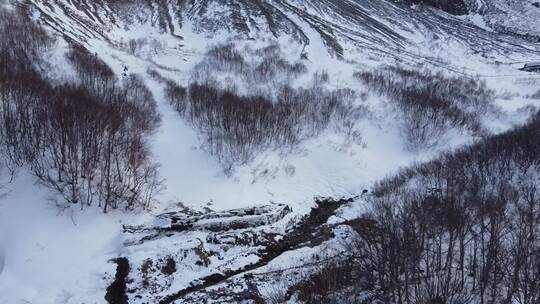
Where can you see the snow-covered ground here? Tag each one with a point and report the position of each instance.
(54, 256)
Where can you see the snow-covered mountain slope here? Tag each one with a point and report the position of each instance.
(339, 37)
(378, 27)
(518, 17)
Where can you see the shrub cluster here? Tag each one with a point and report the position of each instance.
(431, 104)
(236, 127)
(267, 70)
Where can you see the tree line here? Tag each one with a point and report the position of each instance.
(87, 139)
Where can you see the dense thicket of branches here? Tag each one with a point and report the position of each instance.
(464, 228)
(266, 66)
(84, 140)
(432, 104)
(236, 127)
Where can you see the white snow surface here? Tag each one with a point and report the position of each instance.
(50, 256)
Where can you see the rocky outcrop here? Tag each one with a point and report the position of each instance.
(454, 7)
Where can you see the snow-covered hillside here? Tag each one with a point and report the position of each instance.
(217, 232)
(339, 37)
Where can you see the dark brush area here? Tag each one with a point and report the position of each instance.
(463, 228)
(86, 139)
(454, 7)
